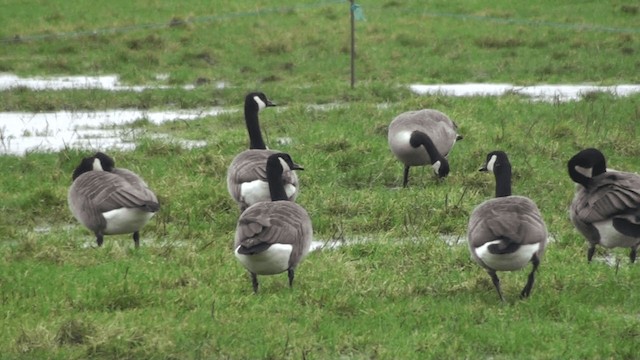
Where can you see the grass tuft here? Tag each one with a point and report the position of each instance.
(75, 332)
(630, 9)
(35, 340)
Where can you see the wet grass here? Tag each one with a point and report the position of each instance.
(403, 294)
(183, 295)
(306, 55)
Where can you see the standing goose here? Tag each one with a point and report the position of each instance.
(109, 200)
(247, 176)
(507, 232)
(423, 137)
(273, 236)
(606, 205)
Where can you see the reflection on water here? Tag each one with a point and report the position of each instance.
(560, 93)
(50, 131)
(105, 82)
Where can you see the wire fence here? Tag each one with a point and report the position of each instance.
(304, 7)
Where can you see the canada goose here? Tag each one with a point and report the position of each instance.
(506, 232)
(606, 205)
(109, 200)
(246, 176)
(273, 236)
(428, 128)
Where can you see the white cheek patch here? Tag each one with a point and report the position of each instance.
(97, 166)
(436, 167)
(261, 104)
(584, 171)
(285, 166)
(290, 190)
(492, 163)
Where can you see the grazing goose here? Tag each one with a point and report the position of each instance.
(507, 232)
(432, 130)
(246, 176)
(606, 205)
(109, 200)
(273, 236)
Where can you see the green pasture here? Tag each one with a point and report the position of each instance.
(394, 289)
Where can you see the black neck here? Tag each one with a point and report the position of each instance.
(86, 165)
(253, 125)
(503, 180)
(419, 138)
(274, 177)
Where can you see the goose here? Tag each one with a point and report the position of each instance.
(507, 232)
(606, 205)
(273, 236)
(246, 176)
(109, 200)
(432, 130)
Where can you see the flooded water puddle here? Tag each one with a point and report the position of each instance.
(21, 132)
(560, 93)
(104, 82)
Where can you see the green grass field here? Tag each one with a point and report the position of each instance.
(402, 292)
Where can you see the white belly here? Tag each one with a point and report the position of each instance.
(507, 262)
(274, 260)
(610, 237)
(257, 191)
(125, 220)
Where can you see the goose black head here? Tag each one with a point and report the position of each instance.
(97, 162)
(104, 162)
(496, 162)
(278, 160)
(585, 165)
(256, 101)
(276, 165)
(287, 158)
(441, 168)
(439, 163)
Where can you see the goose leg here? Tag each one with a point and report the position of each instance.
(291, 275)
(496, 283)
(136, 239)
(527, 288)
(405, 177)
(99, 238)
(254, 282)
(590, 252)
(633, 253)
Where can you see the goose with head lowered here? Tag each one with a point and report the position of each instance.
(109, 200)
(606, 205)
(507, 232)
(423, 137)
(273, 236)
(247, 176)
